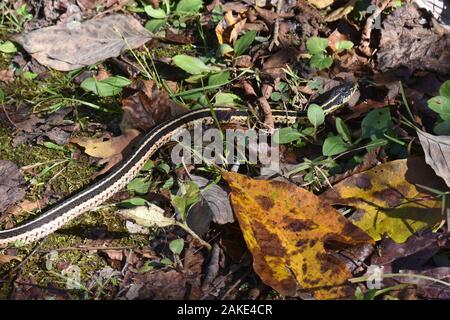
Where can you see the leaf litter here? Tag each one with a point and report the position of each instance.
(384, 195)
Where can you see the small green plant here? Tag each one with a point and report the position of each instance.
(7, 47)
(159, 17)
(190, 195)
(13, 20)
(151, 175)
(315, 172)
(105, 88)
(317, 48)
(441, 105)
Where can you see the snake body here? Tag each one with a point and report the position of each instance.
(61, 213)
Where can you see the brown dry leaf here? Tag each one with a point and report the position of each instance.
(334, 37)
(7, 258)
(146, 106)
(437, 153)
(27, 206)
(275, 65)
(405, 42)
(109, 149)
(106, 148)
(228, 29)
(7, 75)
(11, 184)
(84, 44)
(320, 4)
(341, 12)
(290, 231)
(388, 199)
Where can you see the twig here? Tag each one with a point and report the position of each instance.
(238, 281)
(213, 267)
(364, 45)
(268, 117)
(13, 270)
(7, 116)
(276, 27)
(89, 248)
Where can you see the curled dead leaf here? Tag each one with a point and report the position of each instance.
(437, 153)
(4, 258)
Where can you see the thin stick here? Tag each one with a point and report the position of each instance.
(276, 27)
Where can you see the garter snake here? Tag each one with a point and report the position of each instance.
(61, 213)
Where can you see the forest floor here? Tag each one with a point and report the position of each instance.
(356, 209)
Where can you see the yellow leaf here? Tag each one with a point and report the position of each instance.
(320, 4)
(341, 12)
(388, 200)
(286, 228)
(100, 148)
(7, 258)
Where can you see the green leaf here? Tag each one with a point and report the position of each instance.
(334, 145)
(154, 13)
(149, 165)
(164, 167)
(105, 88)
(176, 246)
(321, 61)
(275, 96)
(190, 64)
(8, 47)
(133, 202)
(166, 262)
(155, 24)
(441, 105)
(223, 49)
(139, 185)
(375, 143)
(30, 75)
(315, 115)
(442, 128)
(343, 45)
(219, 79)
(2, 95)
(287, 135)
(190, 194)
(188, 7)
(376, 122)
(343, 130)
(54, 146)
(167, 184)
(316, 45)
(444, 90)
(244, 42)
(225, 99)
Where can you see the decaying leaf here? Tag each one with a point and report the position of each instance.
(81, 45)
(11, 181)
(320, 4)
(437, 153)
(8, 258)
(290, 233)
(407, 42)
(388, 200)
(341, 12)
(106, 148)
(148, 216)
(146, 106)
(228, 29)
(109, 149)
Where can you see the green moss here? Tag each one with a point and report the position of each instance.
(170, 50)
(56, 167)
